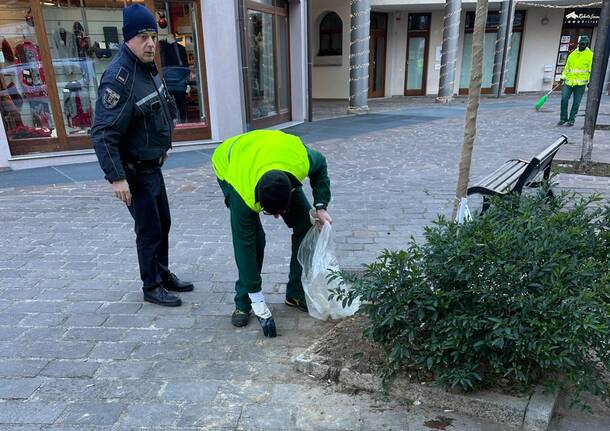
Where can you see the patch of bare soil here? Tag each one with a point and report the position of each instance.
(345, 346)
(596, 169)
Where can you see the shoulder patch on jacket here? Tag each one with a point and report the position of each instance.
(110, 98)
(122, 76)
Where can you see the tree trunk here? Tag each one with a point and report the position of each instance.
(474, 94)
(600, 60)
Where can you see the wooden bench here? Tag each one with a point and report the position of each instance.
(516, 174)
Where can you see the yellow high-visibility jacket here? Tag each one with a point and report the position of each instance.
(578, 67)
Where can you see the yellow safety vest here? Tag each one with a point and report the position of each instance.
(578, 67)
(242, 160)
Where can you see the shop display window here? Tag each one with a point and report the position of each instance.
(54, 53)
(181, 60)
(82, 42)
(24, 97)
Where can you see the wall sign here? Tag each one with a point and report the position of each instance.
(581, 18)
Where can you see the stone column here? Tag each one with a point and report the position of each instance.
(451, 37)
(359, 56)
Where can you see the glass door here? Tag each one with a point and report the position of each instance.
(267, 52)
(377, 54)
(417, 54)
(493, 20)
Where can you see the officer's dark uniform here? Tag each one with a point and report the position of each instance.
(131, 135)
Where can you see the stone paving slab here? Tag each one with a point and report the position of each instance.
(77, 335)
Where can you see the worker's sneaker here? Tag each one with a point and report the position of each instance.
(562, 122)
(240, 318)
(570, 123)
(297, 303)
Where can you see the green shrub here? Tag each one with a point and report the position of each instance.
(521, 291)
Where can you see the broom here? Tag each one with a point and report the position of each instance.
(544, 98)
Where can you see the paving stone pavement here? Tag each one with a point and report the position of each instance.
(80, 351)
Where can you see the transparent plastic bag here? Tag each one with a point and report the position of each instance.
(317, 256)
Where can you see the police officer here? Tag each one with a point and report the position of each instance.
(263, 171)
(131, 134)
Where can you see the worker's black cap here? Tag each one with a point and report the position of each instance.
(274, 192)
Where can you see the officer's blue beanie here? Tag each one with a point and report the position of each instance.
(136, 19)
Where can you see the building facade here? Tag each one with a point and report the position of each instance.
(406, 38)
(232, 66)
(238, 65)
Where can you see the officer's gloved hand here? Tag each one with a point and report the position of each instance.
(265, 319)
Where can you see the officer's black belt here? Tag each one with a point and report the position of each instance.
(146, 164)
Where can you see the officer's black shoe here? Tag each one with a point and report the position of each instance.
(240, 318)
(160, 296)
(562, 122)
(297, 303)
(570, 123)
(174, 284)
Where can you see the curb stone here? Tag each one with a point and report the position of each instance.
(526, 413)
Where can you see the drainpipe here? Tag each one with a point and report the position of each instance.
(243, 31)
(309, 65)
(451, 37)
(496, 79)
(360, 20)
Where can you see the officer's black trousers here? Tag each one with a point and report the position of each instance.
(150, 211)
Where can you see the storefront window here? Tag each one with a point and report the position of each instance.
(180, 59)
(82, 43)
(262, 63)
(489, 50)
(54, 53)
(24, 97)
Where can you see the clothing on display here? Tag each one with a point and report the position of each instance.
(63, 47)
(77, 106)
(81, 40)
(31, 74)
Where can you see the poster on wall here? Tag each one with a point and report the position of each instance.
(563, 57)
(564, 47)
(557, 78)
(565, 39)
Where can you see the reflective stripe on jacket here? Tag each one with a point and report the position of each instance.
(242, 160)
(578, 67)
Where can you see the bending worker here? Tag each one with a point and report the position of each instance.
(575, 78)
(262, 171)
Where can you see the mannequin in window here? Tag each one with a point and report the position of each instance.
(176, 72)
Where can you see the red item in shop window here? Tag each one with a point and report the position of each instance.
(23, 132)
(82, 118)
(31, 74)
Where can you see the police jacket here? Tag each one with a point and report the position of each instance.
(133, 115)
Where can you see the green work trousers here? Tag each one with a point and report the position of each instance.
(249, 245)
(566, 92)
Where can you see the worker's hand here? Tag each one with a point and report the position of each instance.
(121, 191)
(263, 314)
(322, 217)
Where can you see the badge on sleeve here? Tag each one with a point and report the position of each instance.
(111, 98)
